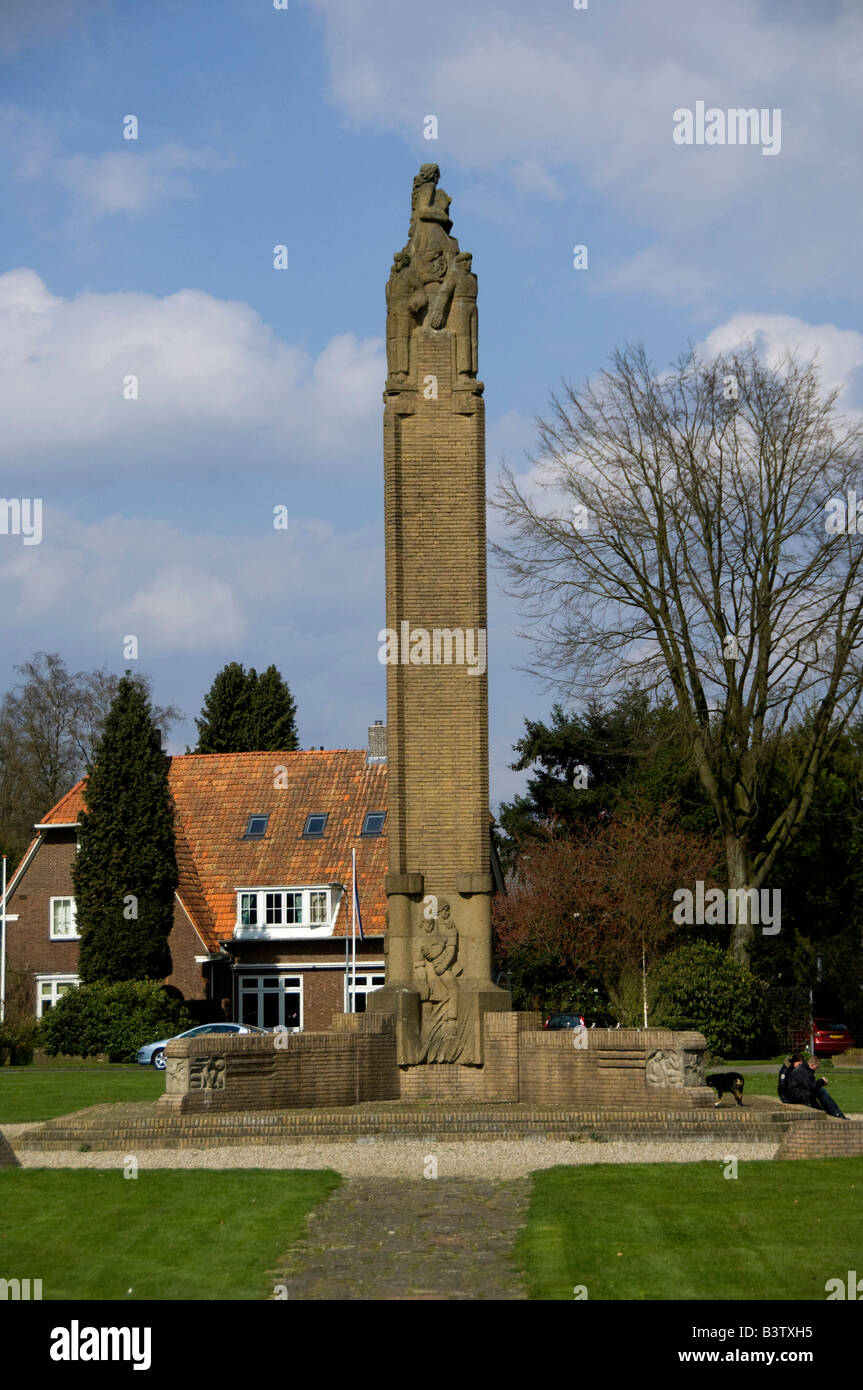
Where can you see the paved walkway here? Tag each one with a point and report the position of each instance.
(443, 1238)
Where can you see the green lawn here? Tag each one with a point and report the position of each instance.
(167, 1234)
(675, 1231)
(767, 1063)
(30, 1093)
(846, 1088)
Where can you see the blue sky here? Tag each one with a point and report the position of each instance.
(260, 387)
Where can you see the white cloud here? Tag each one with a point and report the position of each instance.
(206, 367)
(131, 179)
(666, 272)
(179, 589)
(556, 99)
(839, 350)
(183, 609)
(530, 178)
(311, 600)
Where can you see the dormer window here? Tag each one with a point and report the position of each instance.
(257, 827)
(274, 912)
(374, 822)
(316, 824)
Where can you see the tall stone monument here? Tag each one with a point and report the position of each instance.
(439, 884)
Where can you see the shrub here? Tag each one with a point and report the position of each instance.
(787, 1014)
(700, 987)
(17, 1036)
(117, 1019)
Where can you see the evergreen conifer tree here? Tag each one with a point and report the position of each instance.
(247, 713)
(272, 714)
(223, 725)
(125, 871)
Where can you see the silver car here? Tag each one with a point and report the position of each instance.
(153, 1054)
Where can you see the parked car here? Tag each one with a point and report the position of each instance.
(153, 1054)
(579, 1021)
(832, 1038)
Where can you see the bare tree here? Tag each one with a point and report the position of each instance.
(50, 722)
(679, 534)
(600, 898)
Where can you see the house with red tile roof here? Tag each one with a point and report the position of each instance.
(263, 913)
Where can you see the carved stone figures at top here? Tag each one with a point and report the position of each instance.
(430, 285)
(406, 297)
(428, 202)
(463, 318)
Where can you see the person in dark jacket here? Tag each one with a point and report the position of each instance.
(784, 1072)
(803, 1087)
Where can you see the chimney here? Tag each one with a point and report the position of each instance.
(377, 743)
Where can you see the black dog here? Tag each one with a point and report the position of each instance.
(723, 1081)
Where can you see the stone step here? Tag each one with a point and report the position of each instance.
(184, 1131)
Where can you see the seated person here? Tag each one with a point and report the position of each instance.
(784, 1072)
(803, 1087)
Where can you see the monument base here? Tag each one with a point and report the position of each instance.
(357, 1062)
(423, 1038)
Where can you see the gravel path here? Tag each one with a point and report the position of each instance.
(408, 1159)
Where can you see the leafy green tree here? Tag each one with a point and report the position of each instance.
(613, 754)
(699, 987)
(247, 713)
(125, 872)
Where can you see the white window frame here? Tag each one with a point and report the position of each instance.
(364, 974)
(54, 981)
(289, 978)
(74, 934)
(285, 930)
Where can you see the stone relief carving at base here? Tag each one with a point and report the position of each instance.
(207, 1073)
(664, 1068)
(437, 972)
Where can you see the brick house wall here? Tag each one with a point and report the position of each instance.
(29, 948)
(324, 986)
(216, 799)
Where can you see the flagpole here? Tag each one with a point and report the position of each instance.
(354, 935)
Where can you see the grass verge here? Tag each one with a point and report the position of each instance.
(27, 1093)
(168, 1234)
(846, 1088)
(675, 1231)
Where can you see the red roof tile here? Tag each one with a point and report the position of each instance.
(214, 795)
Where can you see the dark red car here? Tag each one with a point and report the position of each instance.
(831, 1037)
